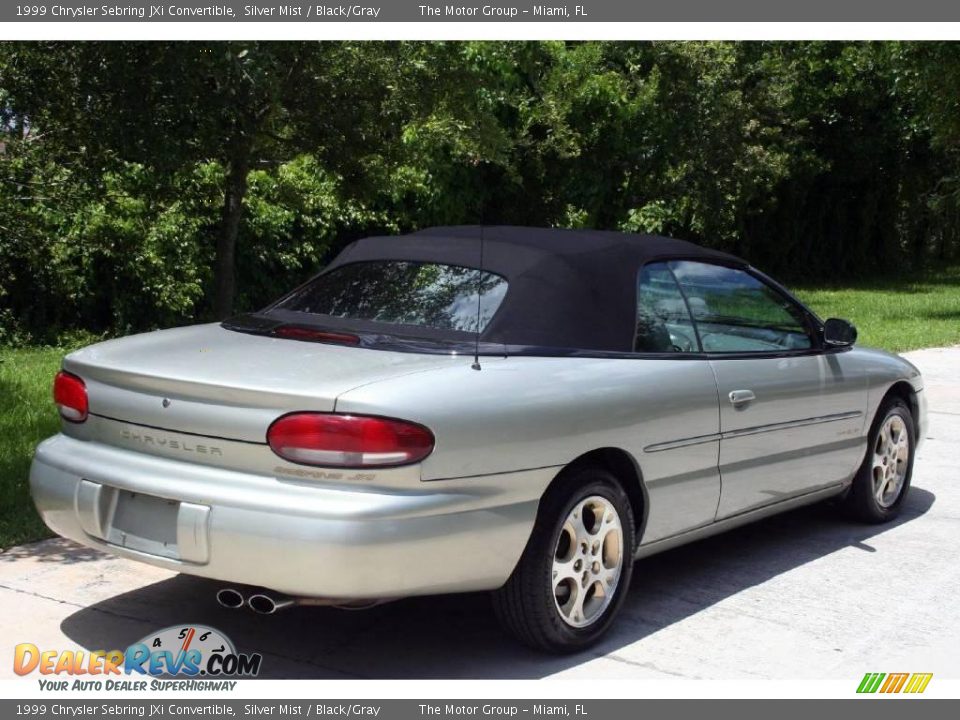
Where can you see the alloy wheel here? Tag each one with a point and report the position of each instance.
(891, 459)
(587, 561)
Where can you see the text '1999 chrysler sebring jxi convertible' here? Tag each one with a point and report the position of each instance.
(518, 410)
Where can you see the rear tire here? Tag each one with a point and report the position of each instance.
(575, 572)
(883, 480)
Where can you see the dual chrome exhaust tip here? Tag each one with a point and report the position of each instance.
(263, 602)
(230, 598)
(259, 602)
(265, 605)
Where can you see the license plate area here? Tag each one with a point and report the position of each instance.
(149, 524)
(145, 523)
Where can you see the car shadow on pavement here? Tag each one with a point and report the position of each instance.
(457, 636)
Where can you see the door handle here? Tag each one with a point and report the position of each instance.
(741, 397)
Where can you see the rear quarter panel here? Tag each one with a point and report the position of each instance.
(523, 413)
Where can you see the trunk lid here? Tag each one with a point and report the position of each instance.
(209, 381)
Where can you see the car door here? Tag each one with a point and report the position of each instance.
(791, 417)
(674, 386)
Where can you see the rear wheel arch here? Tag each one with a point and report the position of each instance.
(623, 466)
(529, 604)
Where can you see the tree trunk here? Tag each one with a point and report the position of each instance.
(225, 264)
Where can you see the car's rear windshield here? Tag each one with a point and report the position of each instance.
(401, 292)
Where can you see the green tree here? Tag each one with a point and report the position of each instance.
(148, 184)
(170, 106)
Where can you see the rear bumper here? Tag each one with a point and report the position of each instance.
(291, 536)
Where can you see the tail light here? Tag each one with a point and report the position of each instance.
(70, 395)
(293, 332)
(348, 441)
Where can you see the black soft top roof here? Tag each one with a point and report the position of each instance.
(567, 289)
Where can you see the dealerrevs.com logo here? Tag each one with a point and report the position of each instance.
(887, 683)
(196, 657)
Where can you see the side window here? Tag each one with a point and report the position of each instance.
(663, 321)
(736, 312)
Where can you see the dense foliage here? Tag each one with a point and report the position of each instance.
(149, 184)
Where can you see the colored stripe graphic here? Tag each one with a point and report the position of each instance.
(870, 682)
(918, 683)
(894, 682)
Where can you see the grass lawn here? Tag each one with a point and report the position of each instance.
(27, 415)
(896, 315)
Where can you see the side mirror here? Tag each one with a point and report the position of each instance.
(839, 333)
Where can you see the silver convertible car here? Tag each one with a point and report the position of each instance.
(518, 410)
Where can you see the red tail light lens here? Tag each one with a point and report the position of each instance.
(348, 441)
(70, 395)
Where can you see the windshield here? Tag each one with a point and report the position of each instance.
(399, 292)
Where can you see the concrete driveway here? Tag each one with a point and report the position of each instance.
(806, 594)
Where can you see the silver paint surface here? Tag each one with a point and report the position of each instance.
(502, 434)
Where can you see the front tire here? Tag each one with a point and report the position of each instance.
(575, 571)
(882, 482)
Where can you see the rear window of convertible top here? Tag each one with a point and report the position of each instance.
(402, 292)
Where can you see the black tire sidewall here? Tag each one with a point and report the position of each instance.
(556, 508)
